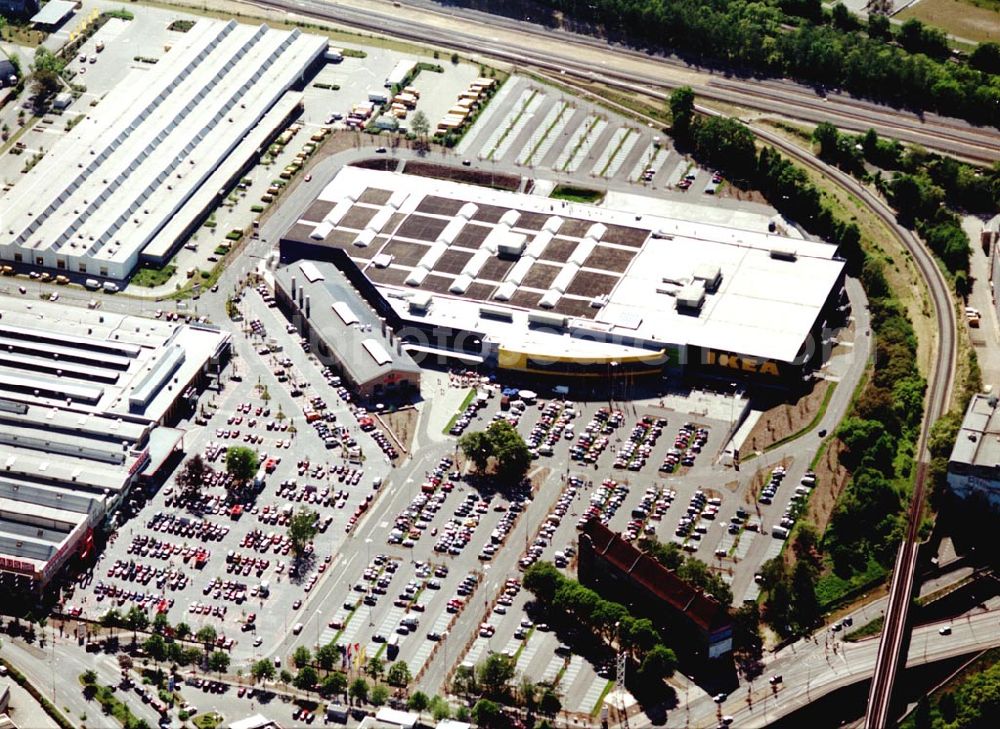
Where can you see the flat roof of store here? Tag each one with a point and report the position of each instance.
(126, 350)
(53, 12)
(600, 270)
(345, 321)
(128, 167)
(978, 440)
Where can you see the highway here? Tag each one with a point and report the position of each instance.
(526, 44)
(810, 674)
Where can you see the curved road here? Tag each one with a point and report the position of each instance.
(527, 44)
(471, 36)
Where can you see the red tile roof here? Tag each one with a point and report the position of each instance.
(703, 610)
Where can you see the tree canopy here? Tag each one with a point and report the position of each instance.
(242, 463)
(500, 444)
(301, 529)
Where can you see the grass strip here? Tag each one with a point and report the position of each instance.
(802, 431)
(548, 131)
(600, 699)
(579, 142)
(465, 403)
(513, 123)
(617, 149)
(869, 629)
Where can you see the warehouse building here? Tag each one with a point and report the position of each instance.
(344, 331)
(151, 158)
(974, 466)
(527, 283)
(84, 418)
(695, 623)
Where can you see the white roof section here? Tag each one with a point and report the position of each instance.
(107, 187)
(54, 11)
(764, 305)
(396, 717)
(115, 363)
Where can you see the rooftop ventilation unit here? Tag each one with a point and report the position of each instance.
(691, 298)
(784, 253)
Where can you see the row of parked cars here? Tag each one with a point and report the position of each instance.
(184, 526)
(641, 441)
(689, 441)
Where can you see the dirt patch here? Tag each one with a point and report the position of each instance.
(831, 479)
(732, 486)
(783, 419)
(403, 424)
(731, 191)
(462, 174)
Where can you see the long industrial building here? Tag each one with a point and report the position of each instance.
(105, 191)
(528, 283)
(86, 403)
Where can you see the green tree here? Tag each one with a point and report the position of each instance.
(379, 694)
(156, 647)
(301, 656)
(726, 144)
(207, 636)
(487, 714)
(879, 27)
(285, 676)
(658, 663)
(494, 674)
(160, 622)
(804, 602)
(262, 670)
(242, 463)
(549, 703)
(46, 72)
(681, 111)
(510, 451)
(477, 447)
(439, 708)
(218, 661)
(327, 656)
(136, 620)
(334, 684)
(358, 690)
(306, 678)
(182, 630)
(192, 477)
(301, 529)
(986, 57)
(399, 674)
(419, 124)
(375, 667)
(464, 683)
(418, 702)
(542, 579)
(827, 137)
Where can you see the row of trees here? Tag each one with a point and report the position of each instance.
(879, 436)
(170, 643)
(607, 620)
(911, 66)
(491, 683)
(920, 188)
(690, 569)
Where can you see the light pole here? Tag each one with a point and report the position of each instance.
(368, 552)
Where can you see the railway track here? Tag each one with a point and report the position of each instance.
(948, 133)
(480, 37)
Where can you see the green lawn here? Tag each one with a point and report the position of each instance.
(576, 194)
(152, 277)
(207, 721)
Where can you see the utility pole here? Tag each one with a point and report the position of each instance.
(621, 663)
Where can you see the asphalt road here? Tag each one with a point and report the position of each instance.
(524, 43)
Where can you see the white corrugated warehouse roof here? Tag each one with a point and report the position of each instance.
(104, 190)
